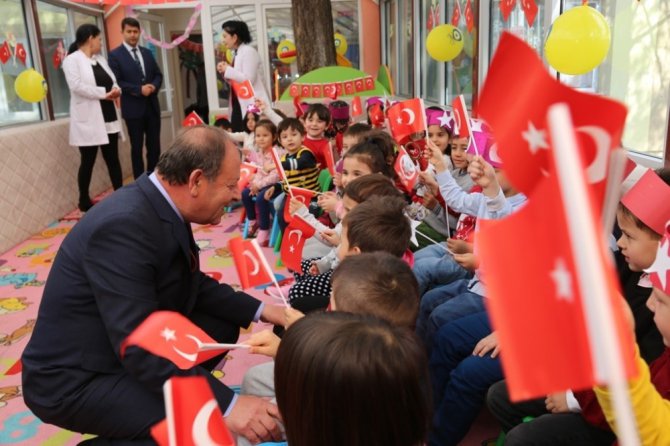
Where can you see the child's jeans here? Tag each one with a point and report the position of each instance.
(261, 204)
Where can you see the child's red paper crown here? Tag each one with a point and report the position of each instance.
(660, 269)
(649, 200)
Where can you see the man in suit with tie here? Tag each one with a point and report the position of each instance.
(139, 77)
(131, 255)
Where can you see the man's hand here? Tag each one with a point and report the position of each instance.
(255, 419)
(292, 316)
(263, 343)
(147, 89)
(557, 403)
(273, 314)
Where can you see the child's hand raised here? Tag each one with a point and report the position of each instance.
(294, 205)
(260, 104)
(483, 174)
(330, 236)
(263, 343)
(435, 156)
(292, 315)
(327, 201)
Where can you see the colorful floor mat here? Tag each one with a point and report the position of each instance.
(23, 272)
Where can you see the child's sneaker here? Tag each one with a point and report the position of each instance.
(263, 238)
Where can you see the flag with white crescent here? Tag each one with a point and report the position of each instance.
(252, 267)
(406, 118)
(521, 131)
(247, 172)
(277, 160)
(293, 242)
(243, 90)
(301, 194)
(192, 119)
(407, 170)
(462, 126)
(172, 336)
(192, 415)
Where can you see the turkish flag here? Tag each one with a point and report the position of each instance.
(339, 88)
(5, 52)
(461, 117)
(193, 417)
(506, 7)
(247, 172)
(20, 53)
(57, 57)
(530, 11)
(172, 336)
(192, 119)
(327, 153)
(376, 115)
(277, 160)
(536, 306)
(359, 85)
(243, 90)
(408, 172)
(301, 194)
(456, 16)
(369, 83)
(252, 267)
(294, 90)
(520, 131)
(305, 90)
(349, 87)
(330, 91)
(406, 118)
(356, 106)
(317, 90)
(293, 242)
(469, 16)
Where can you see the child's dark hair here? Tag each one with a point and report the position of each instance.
(292, 124)
(664, 174)
(376, 151)
(223, 123)
(359, 376)
(247, 117)
(269, 125)
(320, 110)
(366, 186)
(378, 224)
(358, 130)
(377, 284)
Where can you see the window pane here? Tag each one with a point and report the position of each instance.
(280, 27)
(392, 38)
(153, 28)
(80, 18)
(12, 108)
(405, 77)
(432, 15)
(54, 25)
(219, 15)
(345, 22)
(461, 70)
(516, 24)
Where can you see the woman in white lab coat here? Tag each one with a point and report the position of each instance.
(246, 66)
(94, 121)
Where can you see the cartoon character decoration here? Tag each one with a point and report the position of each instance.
(13, 304)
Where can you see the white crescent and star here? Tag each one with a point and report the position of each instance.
(410, 116)
(254, 262)
(662, 263)
(299, 234)
(562, 280)
(537, 139)
(597, 170)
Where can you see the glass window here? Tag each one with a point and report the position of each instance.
(516, 24)
(432, 71)
(391, 13)
(155, 30)
(12, 108)
(405, 77)
(461, 72)
(279, 27)
(345, 22)
(55, 31)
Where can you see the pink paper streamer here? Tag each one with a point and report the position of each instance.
(177, 41)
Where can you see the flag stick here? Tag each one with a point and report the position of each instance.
(433, 241)
(208, 347)
(264, 261)
(587, 245)
(616, 169)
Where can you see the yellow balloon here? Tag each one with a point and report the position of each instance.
(286, 51)
(578, 41)
(340, 44)
(444, 43)
(229, 56)
(30, 86)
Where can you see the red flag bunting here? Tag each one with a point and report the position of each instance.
(172, 336)
(293, 242)
(243, 90)
(20, 53)
(359, 85)
(317, 91)
(305, 91)
(506, 8)
(408, 172)
(406, 118)
(356, 106)
(349, 87)
(530, 11)
(329, 90)
(193, 416)
(5, 52)
(294, 90)
(247, 172)
(339, 88)
(469, 16)
(252, 268)
(456, 15)
(520, 131)
(192, 119)
(369, 83)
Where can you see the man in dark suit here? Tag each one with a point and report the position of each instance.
(139, 77)
(131, 255)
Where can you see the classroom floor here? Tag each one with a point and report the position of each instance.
(23, 272)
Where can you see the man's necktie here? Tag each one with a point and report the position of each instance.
(139, 64)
